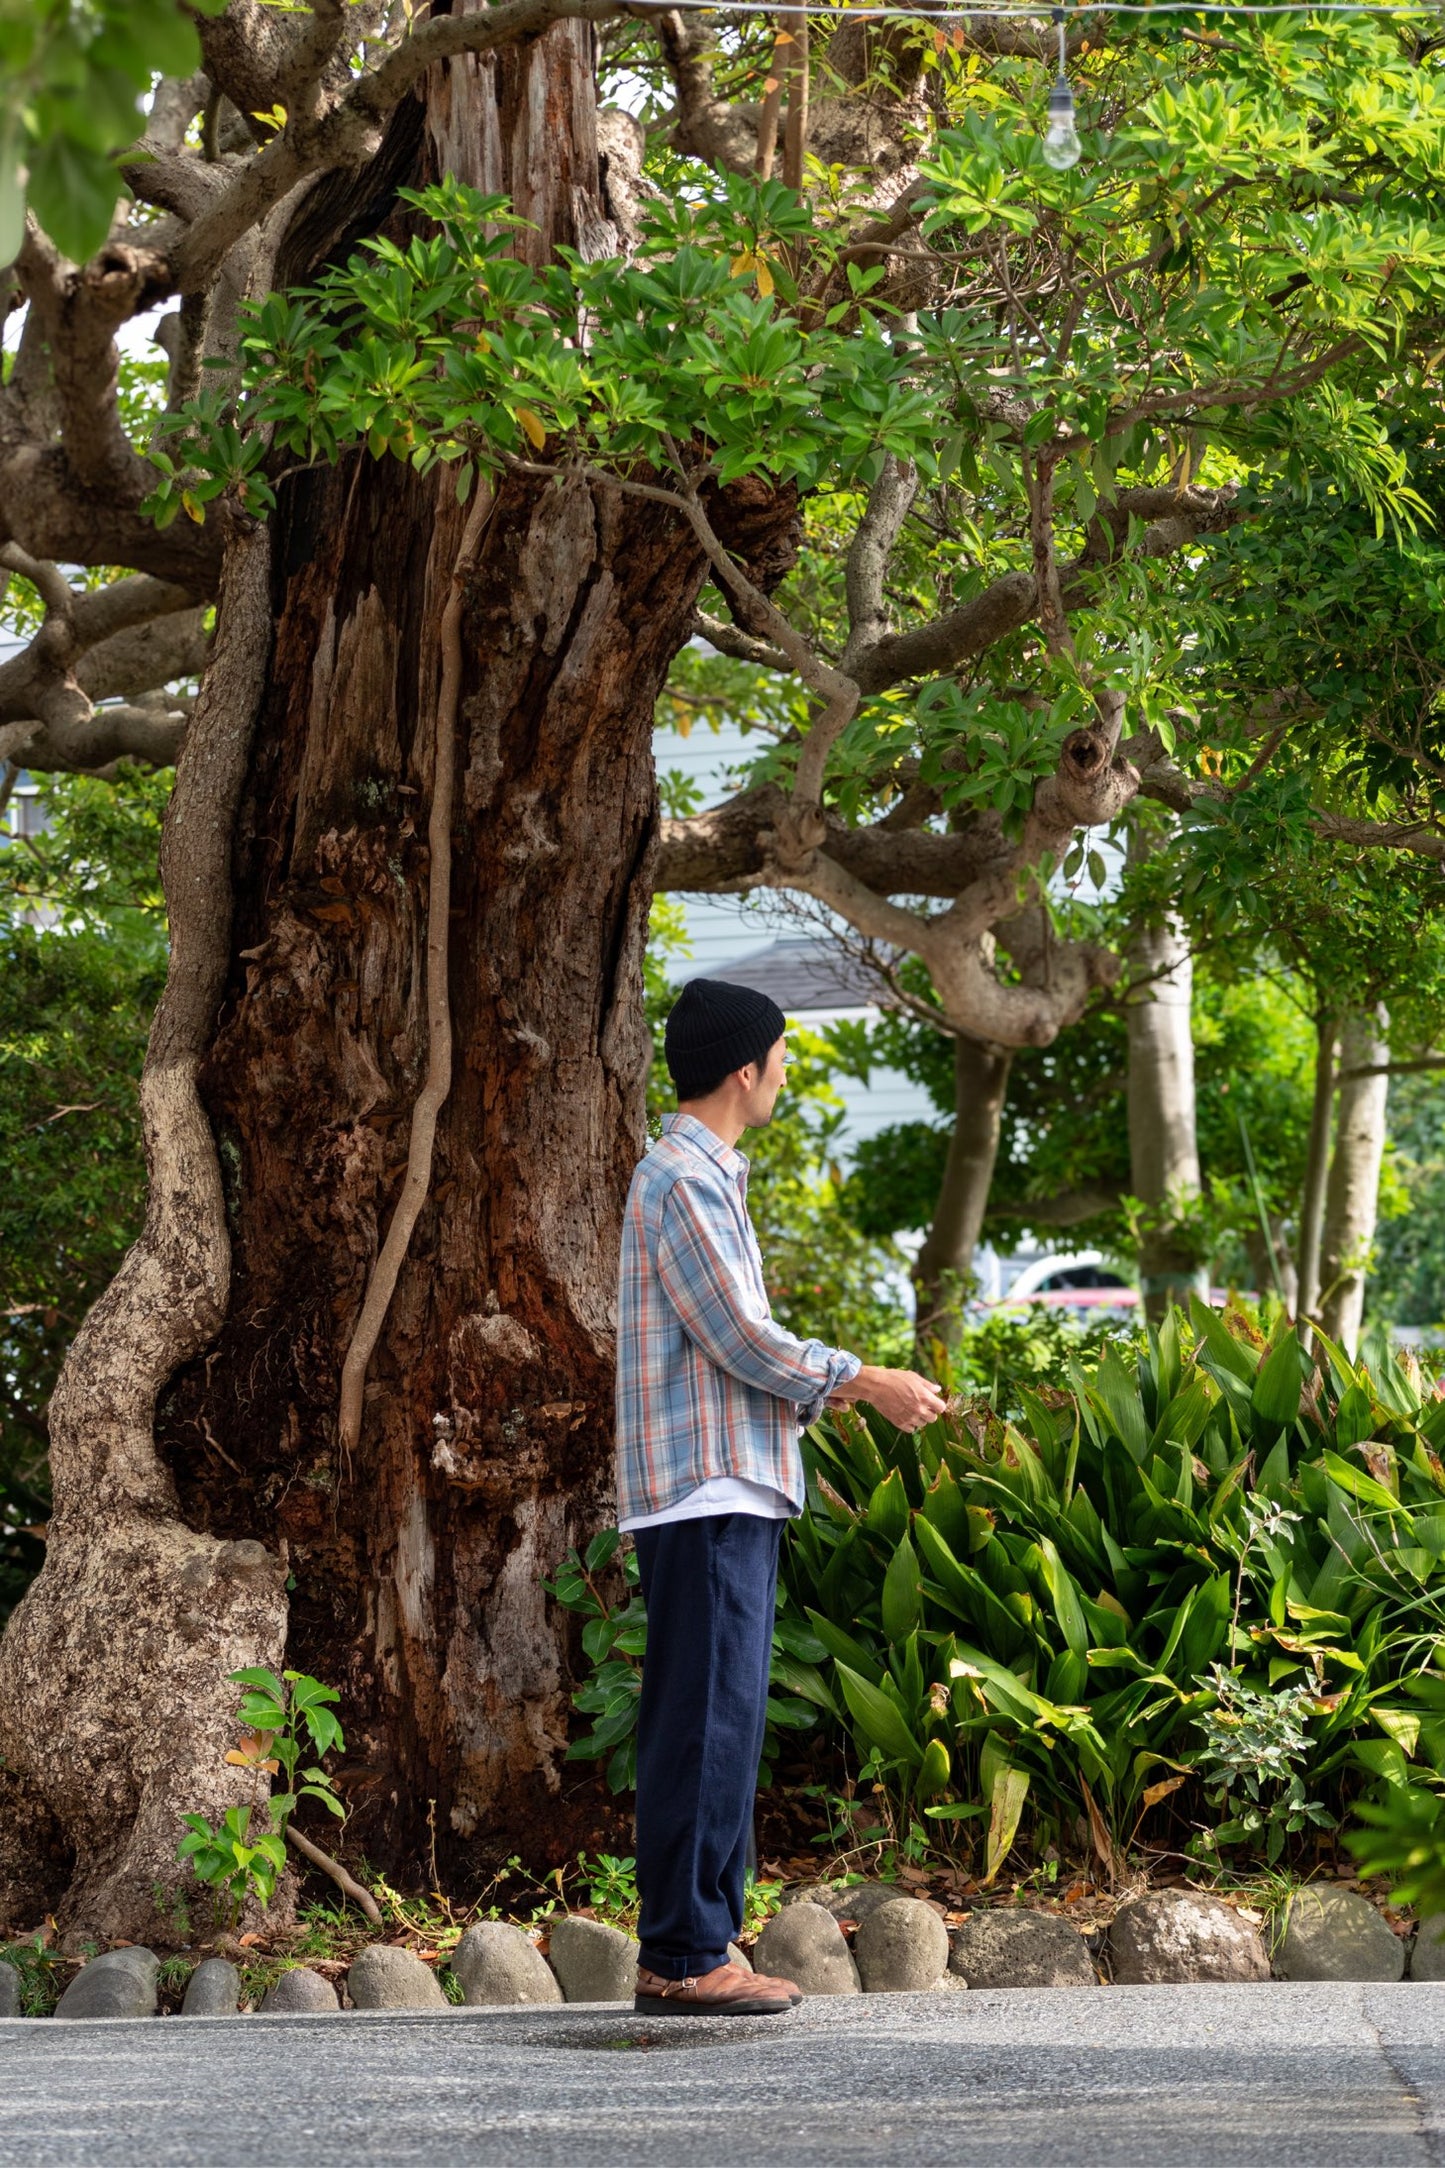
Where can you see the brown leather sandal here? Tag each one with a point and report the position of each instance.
(726, 1991)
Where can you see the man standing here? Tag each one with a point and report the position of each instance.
(711, 1396)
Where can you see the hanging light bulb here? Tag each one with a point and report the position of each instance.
(1061, 145)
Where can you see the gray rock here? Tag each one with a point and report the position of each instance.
(804, 1943)
(9, 1990)
(1336, 1934)
(118, 1983)
(213, 1989)
(299, 1990)
(1020, 1949)
(386, 1978)
(594, 1962)
(857, 1901)
(1184, 1934)
(951, 1983)
(1427, 1959)
(738, 1958)
(497, 1963)
(901, 1949)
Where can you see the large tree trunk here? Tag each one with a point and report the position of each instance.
(485, 1444)
(1163, 1143)
(1353, 1195)
(945, 1261)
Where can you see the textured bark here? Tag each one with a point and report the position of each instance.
(485, 1441)
(945, 1261)
(1353, 1194)
(114, 1702)
(1163, 1144)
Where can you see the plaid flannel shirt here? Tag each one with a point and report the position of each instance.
(708, 1384)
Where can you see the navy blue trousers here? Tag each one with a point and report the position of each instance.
(710, 1587)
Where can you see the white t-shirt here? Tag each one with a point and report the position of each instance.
(719, 1494)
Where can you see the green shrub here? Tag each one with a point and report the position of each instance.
(615, 1637)
(1029, 1611)
(1200, 1565)
(283, 1719)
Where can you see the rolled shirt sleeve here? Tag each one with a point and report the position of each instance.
(706, 1275)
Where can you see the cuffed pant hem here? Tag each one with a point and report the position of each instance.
(668, 1967)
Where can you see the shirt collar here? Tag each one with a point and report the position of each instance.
(689, 1130)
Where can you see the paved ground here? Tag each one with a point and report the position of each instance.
(1172, 2077)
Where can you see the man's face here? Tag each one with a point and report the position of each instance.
(769, 1079)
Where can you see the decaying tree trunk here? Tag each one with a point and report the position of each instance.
(945, 1260)
(1353, 1193)
(484, 1452)
(1163, 1143)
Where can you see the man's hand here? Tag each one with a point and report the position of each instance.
(907, 1400)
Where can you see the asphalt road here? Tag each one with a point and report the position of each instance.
(1165, 2077)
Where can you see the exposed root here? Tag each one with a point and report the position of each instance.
(333, 1867)
(381, 1286)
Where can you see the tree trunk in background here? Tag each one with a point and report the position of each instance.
(485, 1448)
(1317, 1169)
(1163, 1144)
(945, 1261)
(1353, 1194)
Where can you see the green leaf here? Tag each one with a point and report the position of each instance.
(902, 1596)
(72, 191)
(12, 185)
(264, 1681)
(1065, 1598)
(934, 1772)
(879, 1720)
(844, 1649)
(1279, 1381)
(328, 1799)
(887, 1513)
(602, 1549)
(1006, 1788)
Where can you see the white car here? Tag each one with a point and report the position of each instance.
(1079, 1280)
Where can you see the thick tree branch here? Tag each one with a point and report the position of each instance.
(1053, 623)
(1162, 779)
(348, 131)
(79, 313)
(723, 850)
(731, 640)
(146, 658)
(92, 746)
(1416, 836)
(244, 51)
(1176, 518)
(889, 503)
(89, 644)
(835, 689)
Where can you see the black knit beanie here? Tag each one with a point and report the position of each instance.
(713, 1028)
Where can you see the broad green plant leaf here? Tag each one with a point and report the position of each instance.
(879, 1719)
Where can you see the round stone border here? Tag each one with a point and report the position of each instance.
(825, 1936)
